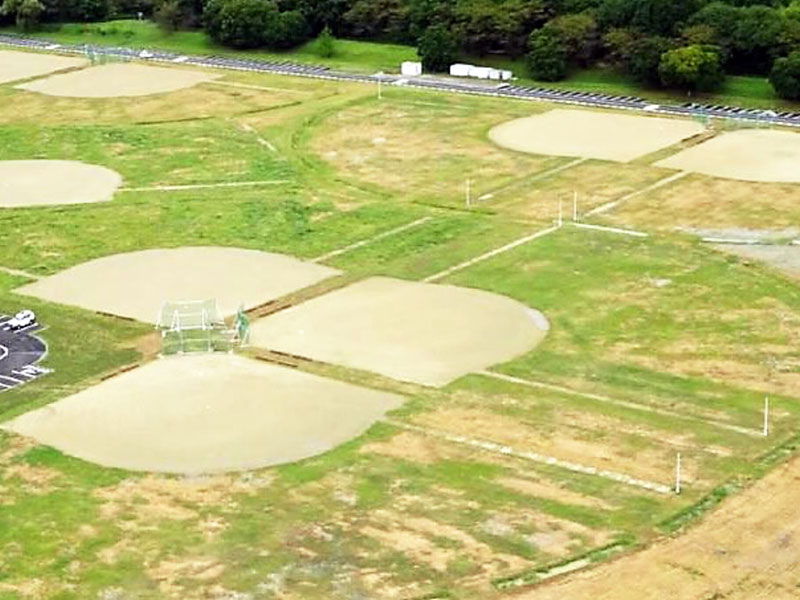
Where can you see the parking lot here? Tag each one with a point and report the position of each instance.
(20, 352)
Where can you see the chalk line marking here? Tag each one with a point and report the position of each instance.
(376, 238)
(490, 254)
(202, 186)
(614, 203)
(19, 273)
(262, 88)
(621, 403)
(618, 230)
(534, 457)
(259, 139)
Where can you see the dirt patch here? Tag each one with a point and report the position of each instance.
(114, 80)
(416, 537)
(35, 480)
(423, 333)
(136, 284)
(748, 155)
(45, 182)
(171, 573)
(206, 413)
(605, 135)
(747, 546)
(412, 447)
(23, 65)
(564, 443)
(783, 258)
(550, 491)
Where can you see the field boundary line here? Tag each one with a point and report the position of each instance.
(249, 86)
(617, 402)
(619, 230)
(737, 241)
(496, 448)
(19, 273)
(490, 254)
(614, 203)
(259, 139)
(362, 243)
(532, 179)
(201, 186)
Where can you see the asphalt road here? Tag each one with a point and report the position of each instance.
(19, 353)
(466, 86)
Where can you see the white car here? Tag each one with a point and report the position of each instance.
(21, 320)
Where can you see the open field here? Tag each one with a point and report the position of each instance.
(42, 182)
(563, 456)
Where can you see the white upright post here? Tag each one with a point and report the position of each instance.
(766, 416)
(678, 474)
(380, 79)
(575, 206)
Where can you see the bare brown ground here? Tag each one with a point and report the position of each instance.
(605, 135)
(423, 333)
(570, 443)
(23, 65)
(205, 413)
(44, 182)
(118, 79)
(749, 155)
(748, 548)
(540, 488)
(699, 201)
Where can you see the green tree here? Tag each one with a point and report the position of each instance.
(167, 15)
(645, 59)
(326, 43)
(692, 68)
(239, 23)
(578, 33)
(547, 56)
(437, 48)
(785, 76)
(26, 13)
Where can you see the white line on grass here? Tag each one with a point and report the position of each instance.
(716, 240)
(490, 254)
(614, 203)
(622, 403)
(258, 87)
(201, 186)
(376, 238)
(619, 230)
(535, 457)
(19, 273)
(534, 179)
(259, 139)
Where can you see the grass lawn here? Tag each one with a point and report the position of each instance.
(657, 345)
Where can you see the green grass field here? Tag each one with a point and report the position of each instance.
(657, 345)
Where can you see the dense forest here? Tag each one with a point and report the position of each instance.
(683, 44)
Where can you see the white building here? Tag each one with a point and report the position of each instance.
(411, 69)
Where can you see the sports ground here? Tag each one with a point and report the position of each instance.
(482, 331)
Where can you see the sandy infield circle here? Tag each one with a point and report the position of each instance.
(748, 155)
(22, 65)
(592, 134)
(117, 79)
(43, 182)
(136, 284)
(424, 333)
(204, 414)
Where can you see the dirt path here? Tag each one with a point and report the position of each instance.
(748, 548)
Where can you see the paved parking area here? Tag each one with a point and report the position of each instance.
(20, 352)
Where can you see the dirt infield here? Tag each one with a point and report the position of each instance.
(592, 134)
(424, 333)
(135, 284)
(781, 257)
(23, 65)
(43, 182)
(120, 79)
(206, 413)
(748, 155)
(748, 548)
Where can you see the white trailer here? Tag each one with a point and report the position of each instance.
(411, 69)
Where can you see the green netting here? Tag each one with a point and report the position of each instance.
(193, 326)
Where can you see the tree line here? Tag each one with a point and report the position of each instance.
(686, 44)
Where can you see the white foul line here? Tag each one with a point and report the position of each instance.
(535, 457)
(616, 402)
(614, 203)
(362, 243)
(200, 186)
(490, 254)
(619, 230)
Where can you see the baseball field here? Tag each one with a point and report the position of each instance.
(491, 341)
